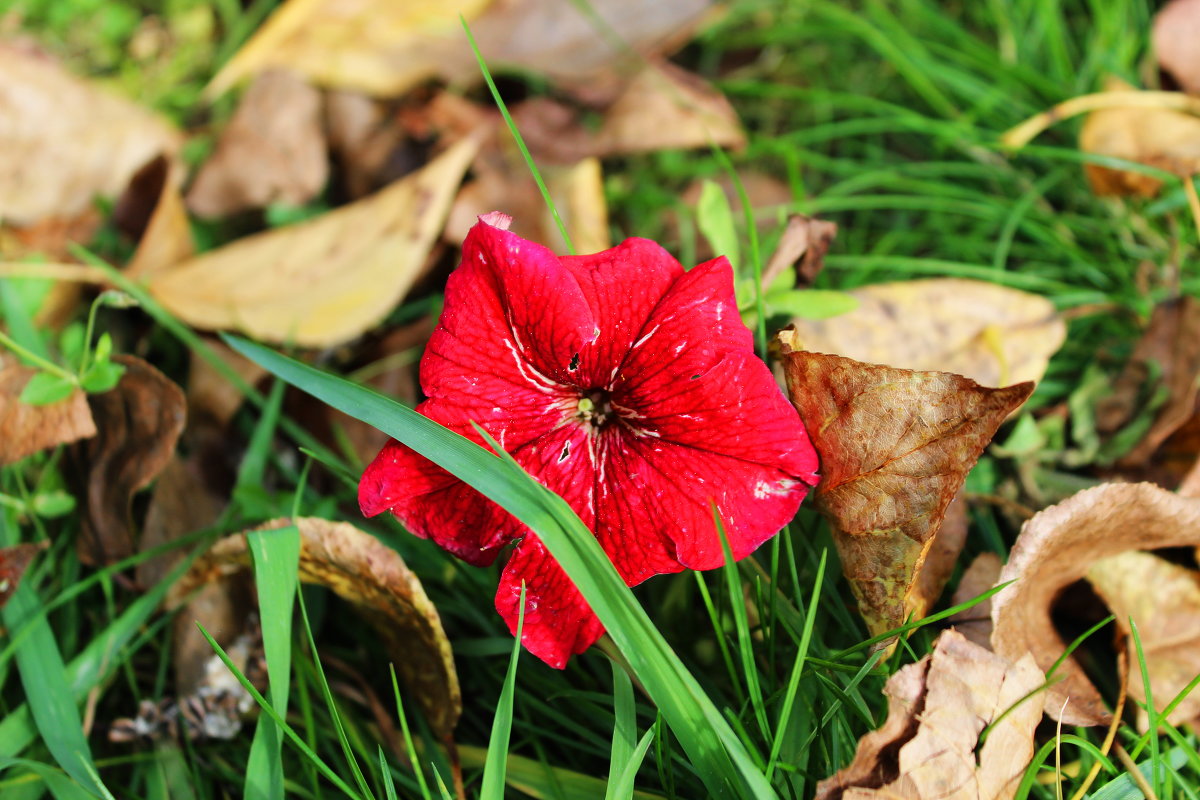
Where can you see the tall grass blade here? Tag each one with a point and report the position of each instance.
(492, 786)
(624, 727)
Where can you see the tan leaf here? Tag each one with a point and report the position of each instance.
(26, 429)
(138, 424)
(374, 579)
(506, 185)
(385, 48)
(976, 622)
(324, 281)
(895, 448)
(1157, 137)
(211, 396)
(1163, 599)
(937, 708)
(166, 239)
(64, 140)
(272, 151)
(804, 243)
(991, 334)
(1169, 347)
(13, 563)
(1176, 31)
(1058, 547)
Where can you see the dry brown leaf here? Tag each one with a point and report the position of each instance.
(895, 448)
(26, 429)
(64, 141)
(272, 151)
(578, 193)
(804, 243)
(991, 334)
(13, 563)
(941, 556)
(325, 281)
(976, 622)
(138, 423)
(375, 580)
(1176, 32)
(385, 48)
(1058, 547)
(1163, 599)
(1190, 487)
(937, 708)
(1170, 347)
(1162, 138)
(166, 235)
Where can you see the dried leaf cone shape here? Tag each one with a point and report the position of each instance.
(895, 447)
(937, 708)
(1061, 545)
(377, 582)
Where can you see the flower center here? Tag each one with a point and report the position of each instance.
(595, 408)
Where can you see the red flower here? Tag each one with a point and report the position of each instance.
(625, 384)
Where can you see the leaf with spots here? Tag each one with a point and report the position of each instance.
(895, 447)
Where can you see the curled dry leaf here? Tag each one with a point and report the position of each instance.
(1169, 351)
(272, 151)
(325, 281)
(13, 563)
(26, 429)
(64, 141)
(804, 243)
(375, 580)
(138, 423)
(1176, 31)
(1163, 599)
(1157, 137)
(975, 623)
(937, 709)
(895, 448)
(166, 238)
(988, 333)
(385, 48)
(1058, 547)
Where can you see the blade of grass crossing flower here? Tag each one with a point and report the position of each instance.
(741, 624)
(789, 696)
(347, 750)
(712, 747)
(43, 677)
(492, 785)
(624, 727)
(270, 711)
(413, 756)
(516, 134)
(622, 787)
(276, 561)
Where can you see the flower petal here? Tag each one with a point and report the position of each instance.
(622, 286)
(558, 622)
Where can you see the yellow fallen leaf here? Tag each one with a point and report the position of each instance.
(1058, 547)
(321, 282)
(375, 580)
(167, 240)
(937, 709)
(64, 141)
(895, 447)
(991, 334)
(1157, 137)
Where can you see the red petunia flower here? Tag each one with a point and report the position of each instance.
(625, 384)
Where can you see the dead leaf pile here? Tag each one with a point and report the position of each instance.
(930, 744)
(895, 447)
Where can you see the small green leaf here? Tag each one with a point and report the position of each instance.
(70, 343)
(115, 298)
(714, 217)
(811, 303)
(45, 388)
(101, 376)
(104, 348)
(53, 504)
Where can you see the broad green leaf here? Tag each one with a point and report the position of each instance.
(101, 376)
(717, 753)
(46, 388)
(714, 217)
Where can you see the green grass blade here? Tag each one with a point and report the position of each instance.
(276, 562)
(713, 748)
(389, 785)
(492, 786)
(741, 624)
(624, 728)
(622, 787)
(409, 747)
